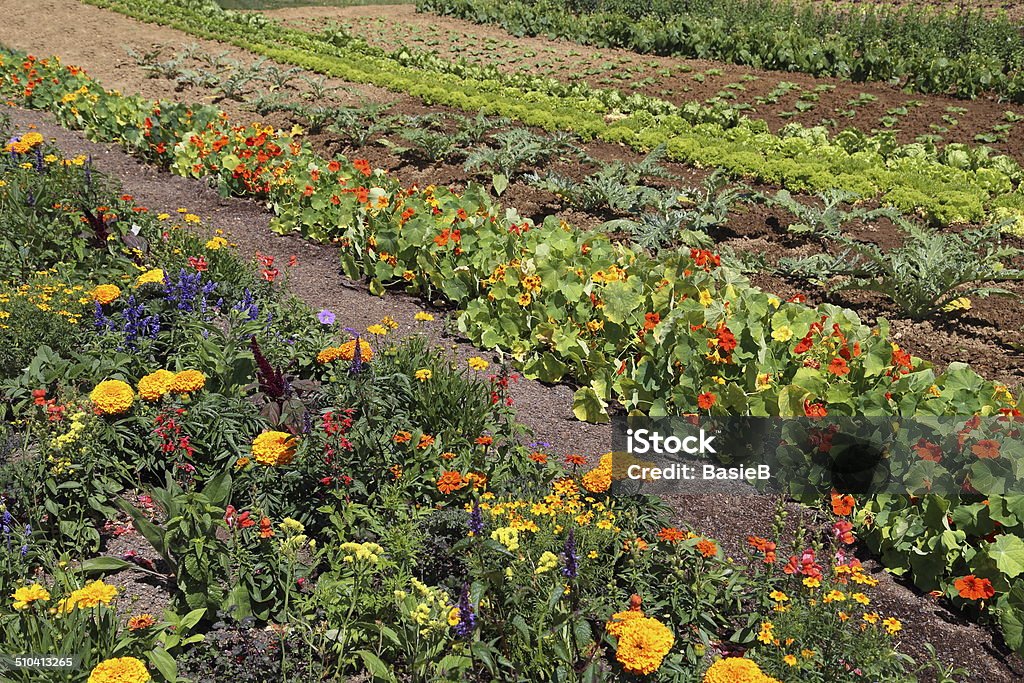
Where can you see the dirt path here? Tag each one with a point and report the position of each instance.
(777, 97)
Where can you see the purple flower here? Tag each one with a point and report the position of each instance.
(325, 317)
(476, 520)
(572, 567)
(467, 619)
(357, 358)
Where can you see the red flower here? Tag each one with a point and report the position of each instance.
(843, 530)
(651, 320)
(199, 263)
(970, 587)
(706, 400)
(842, 505)
(671, 534)
(815, 410)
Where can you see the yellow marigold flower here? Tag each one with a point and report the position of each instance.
(615, 624)
(112, 397)
(643, 644)
(120, 670)
(734, 670)
(26, 595)
(154, 276)
(423, 374)
(477, 363)
(187, 381)
(105, 294)
(789, 659)
(871, 617)
(274, 448)
(778, 596)
(153, 386)
(834, 596)
(861, 598)
(892, 625)
(92, 595)
(423, 317)
(765, 634)
(215, 243)
(191, 218)
(378, 330)
(812, 582)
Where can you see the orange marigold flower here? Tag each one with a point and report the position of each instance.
(426, 441)
(187, 381)
(971, 587)
(402, 437)
(449, 481)
(484, 440)
(539, 457)
(274, 448)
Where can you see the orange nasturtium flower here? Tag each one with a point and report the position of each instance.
(971, 587)
(986, 448)
(842, 505)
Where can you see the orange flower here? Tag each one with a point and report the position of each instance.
(266, 528)
(140, 622)
(706, 400)
(450, 481)
(426, 441)
(838, 367)
(707, 548)
(575, 459)
(842, 505)
(971, 587)
(484, 440)
(539, 458)
(396, 471)
(926, 450)
(651, 320)
(671, 534)
(986, 448)
(402, 437)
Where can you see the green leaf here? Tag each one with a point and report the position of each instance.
(620, 300)
(500, 183)
(588, 406)
(105, 565)
(164, 663)
(1008, 553)
(375, 666)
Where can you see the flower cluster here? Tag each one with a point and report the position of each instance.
(274, 448)
(112, 397)
(643, 641)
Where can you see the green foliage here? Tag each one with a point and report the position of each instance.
(931, 269)
(964, 52)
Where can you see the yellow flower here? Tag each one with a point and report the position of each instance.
(378, 330)
(292, 525)
(188, 381)
(91, 595)
(735, 670)
(346, 351)
(508, 537)
(812, 582)
(789, 659)
(871, 617)
(423, 375)
(477, 363)
(765, 633)
(892, 625)
(154, 276)
(782, 334)
(26, 595)
(524, 299)
(112, 397)
(548, 561)
(274, 448)
(599, 479)
(215, 243)
(454, 616)
(778, 596)
(120, 670)
(705, 298)
(153, 386)
(191, 218)
(764, 382)
(105, 294)
(834, 596)
(389, 322)
(861, 598)
(423, 317)
(643, 644)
